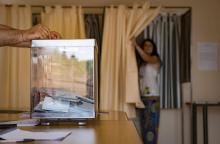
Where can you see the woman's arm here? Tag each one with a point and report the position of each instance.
(144, 56)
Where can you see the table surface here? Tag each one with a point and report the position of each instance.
(108, 128)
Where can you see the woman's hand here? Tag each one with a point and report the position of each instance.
(134, 43)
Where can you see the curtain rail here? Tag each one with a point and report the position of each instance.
(168, 7)
(103, 7)
(95, 7)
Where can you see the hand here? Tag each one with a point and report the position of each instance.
(36, 32)
(55, 35)
(134, 43)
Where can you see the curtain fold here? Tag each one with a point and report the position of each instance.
(69, 22)
(93, 27)
(15, 62)
(185, 54)
(119, 74)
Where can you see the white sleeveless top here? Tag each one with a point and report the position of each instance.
(149, 85)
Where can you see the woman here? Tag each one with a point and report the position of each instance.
(148, 72)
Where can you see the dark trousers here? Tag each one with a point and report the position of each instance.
(149, 119)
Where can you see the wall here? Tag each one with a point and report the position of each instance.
(205, 84)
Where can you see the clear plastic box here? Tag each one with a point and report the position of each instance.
(63, 79)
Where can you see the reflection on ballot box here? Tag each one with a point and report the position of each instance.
(62, 79)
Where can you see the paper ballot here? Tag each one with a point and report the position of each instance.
(20, 135)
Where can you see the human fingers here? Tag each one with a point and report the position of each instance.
(42, 34)
(45, 32)
(42, 30)
(55, 35)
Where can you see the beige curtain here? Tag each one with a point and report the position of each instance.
(69, 22)
(15, 62)
(119, 74)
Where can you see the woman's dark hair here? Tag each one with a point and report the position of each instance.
(154, 52)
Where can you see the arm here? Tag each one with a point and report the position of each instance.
(9, 37)
(144, 56)
(5, 27)
(21, 44)
(53, 35)
(22, 38)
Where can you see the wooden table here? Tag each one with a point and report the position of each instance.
(108, 128)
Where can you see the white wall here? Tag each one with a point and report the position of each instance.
(170, 127)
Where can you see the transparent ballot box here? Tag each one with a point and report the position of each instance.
(63, 76)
